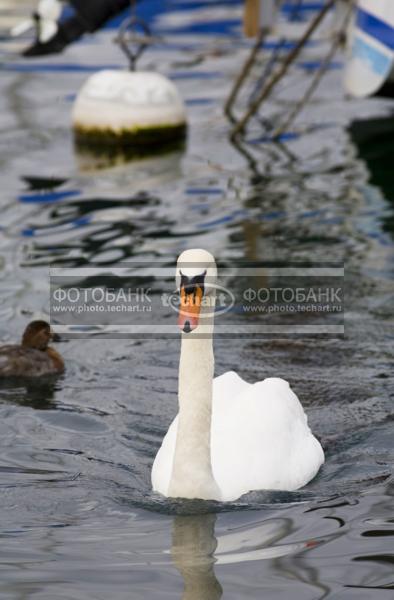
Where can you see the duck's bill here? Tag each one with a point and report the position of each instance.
(189, 310)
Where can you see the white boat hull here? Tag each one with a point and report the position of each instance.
(370, 62)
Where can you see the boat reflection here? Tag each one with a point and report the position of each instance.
(373, 140)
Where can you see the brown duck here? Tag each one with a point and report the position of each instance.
(33, 357)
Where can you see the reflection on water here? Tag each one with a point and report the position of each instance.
(374, 140)
(195, 550)
(290, 552)
(39, 394)
(192, 551)
(91, 159)
(92, 231)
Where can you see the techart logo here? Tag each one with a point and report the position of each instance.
(217, 300)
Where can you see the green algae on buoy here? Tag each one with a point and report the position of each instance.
(128, 109)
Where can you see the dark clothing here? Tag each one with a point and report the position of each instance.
(89, 16)
(94, 13)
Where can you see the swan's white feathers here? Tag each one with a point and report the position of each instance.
(162, 466)
(260, 439)
(258, 433)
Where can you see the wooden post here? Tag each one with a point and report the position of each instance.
(259, 15)
(251, 18)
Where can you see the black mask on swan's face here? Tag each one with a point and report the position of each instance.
(195, 279)
(191, 295)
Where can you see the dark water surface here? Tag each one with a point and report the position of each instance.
(78, 519)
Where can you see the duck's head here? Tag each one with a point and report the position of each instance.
(196, 276)
(37, 335)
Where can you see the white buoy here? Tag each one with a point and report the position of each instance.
(128, 109)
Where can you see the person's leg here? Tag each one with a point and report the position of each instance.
(89, 15)
(68, 32)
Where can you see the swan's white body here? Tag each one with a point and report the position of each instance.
(231, 437)
(260, 439)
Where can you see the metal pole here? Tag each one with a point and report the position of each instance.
(316, 80)
(265, 92)
(242, 75)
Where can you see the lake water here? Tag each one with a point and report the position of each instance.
(78, 519)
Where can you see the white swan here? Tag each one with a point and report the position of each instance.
(229, 437)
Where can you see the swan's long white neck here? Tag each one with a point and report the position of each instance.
(192, 471)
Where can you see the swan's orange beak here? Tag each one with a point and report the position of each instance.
(189, 310)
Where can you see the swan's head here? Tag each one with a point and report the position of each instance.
(196, 276)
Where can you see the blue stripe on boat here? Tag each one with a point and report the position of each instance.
(376, 28)
(379, 62)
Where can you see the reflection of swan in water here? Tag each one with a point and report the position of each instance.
(195, 551)
(193, 547)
